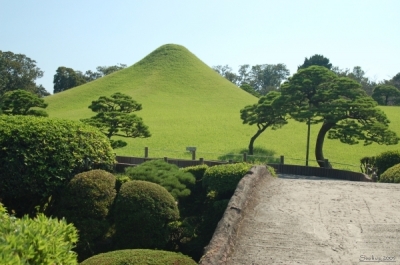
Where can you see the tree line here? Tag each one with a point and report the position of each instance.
(66, 78)
(317, 95)
(17, 71)
(258, 80)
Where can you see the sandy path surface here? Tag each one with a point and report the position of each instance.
(305, 221)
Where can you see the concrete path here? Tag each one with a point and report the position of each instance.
(314, 221)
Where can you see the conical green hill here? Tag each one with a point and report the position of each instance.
(185, 103)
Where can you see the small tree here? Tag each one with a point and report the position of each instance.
(386, 95)
(115, 115)
(347, 113)
(20, 102)
(268, 112)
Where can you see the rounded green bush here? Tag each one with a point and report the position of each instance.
(167, 175)
(391, 175)
(386, 160)
(86, 202)
(39, 155)
(142, 213)
(223, 179)
(139, 257)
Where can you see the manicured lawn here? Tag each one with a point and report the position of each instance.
(185, 103)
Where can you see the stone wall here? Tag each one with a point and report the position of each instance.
(223, 240)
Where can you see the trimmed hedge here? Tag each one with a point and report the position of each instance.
(194, 203)
(167, 175)
(142, 213)
(139, 257)
(86, 202)
(386, 160)
(391, 175)
(41, 240)
(40, 155)
(223, 179)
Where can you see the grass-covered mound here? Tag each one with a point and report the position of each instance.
(186, 103)
(139, 257)
(143, 211)
(38, 156)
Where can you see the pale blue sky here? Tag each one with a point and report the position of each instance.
(86, 34)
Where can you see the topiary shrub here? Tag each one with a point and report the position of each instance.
(386, 160)
(391, 175)
(223, 179)
(86, 202)
(39, 155)
(142, 213)
(192, 204)
(139, 257)
(41, 240)
(167, 175)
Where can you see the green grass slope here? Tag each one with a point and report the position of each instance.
(186, 103)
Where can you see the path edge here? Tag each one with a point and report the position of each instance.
(224, 238)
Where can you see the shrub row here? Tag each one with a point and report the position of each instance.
(38, 156)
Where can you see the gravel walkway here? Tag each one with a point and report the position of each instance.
(319, 221)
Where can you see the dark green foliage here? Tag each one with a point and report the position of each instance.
(316, 95)
(115, 117)
(386, 95)
(38, 156)
(66, 78)
(142, 213)
(196, 171)
(17, 71)
(20, 102)
(391, 175)
(395, 81)
(139, 257)
(250, 89)
(106, 70)
(194, 203)
(386, 160)
(167, 175)
(223, 179)
(367, 162)
(316, 59)
(204, 227)
(268, 112)
(41, 240)
(86, 202)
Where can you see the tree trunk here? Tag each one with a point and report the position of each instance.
(319, 154)
(251, 144)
